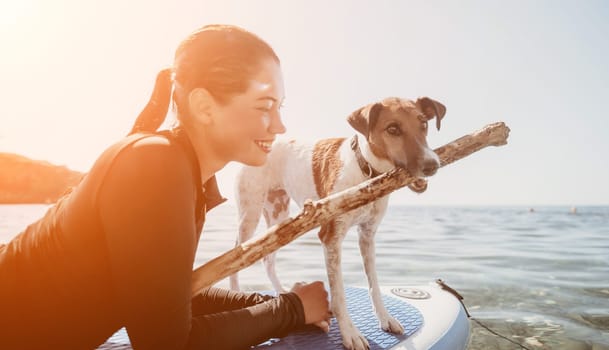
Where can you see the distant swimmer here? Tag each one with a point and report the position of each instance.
(573, 210)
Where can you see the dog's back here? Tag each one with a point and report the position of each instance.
(288, 169)
(298, 171)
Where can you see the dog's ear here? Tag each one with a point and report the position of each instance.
(364, 118)
(431, 108)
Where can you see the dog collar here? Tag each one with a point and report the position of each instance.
(364, 166)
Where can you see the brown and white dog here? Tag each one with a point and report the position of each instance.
(393, 134)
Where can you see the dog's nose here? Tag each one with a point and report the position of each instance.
(430, 166)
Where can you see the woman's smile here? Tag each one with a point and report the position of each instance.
(265, 145)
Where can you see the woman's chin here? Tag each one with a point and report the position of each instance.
(255, 161)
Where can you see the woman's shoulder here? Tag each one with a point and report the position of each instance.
(138, 152)
(150, 140)
(156, 149)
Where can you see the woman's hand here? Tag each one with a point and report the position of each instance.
(314, 298)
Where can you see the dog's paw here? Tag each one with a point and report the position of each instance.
(390, 324)
(353, 339)
(419, 185)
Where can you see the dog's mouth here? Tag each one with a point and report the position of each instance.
(265, 145)
(419, 185)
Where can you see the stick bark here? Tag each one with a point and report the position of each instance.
(316, 213)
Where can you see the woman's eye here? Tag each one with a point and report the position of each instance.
(394, 130)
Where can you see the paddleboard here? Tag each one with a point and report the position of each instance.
(432, 318)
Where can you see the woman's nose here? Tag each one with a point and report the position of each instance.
(276, 126)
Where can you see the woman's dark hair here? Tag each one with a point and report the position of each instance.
(220, 58)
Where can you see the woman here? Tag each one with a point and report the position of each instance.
(118, 250)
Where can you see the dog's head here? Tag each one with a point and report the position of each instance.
(396, 130)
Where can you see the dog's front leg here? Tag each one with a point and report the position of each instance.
(367, 249)
(331, 236)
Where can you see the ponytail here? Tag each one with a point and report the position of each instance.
(153, 115)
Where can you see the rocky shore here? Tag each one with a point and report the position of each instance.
(26, 181)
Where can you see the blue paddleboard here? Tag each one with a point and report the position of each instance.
(432, 318)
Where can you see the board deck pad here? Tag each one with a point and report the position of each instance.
(363, 317)
(360, 310)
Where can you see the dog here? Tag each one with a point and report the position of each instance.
(392, 133)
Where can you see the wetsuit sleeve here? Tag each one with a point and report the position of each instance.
(238, 320)
(147, 208)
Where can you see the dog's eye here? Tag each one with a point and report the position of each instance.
(394, 130)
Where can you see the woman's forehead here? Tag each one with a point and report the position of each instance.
(267, 83)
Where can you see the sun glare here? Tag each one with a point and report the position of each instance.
(13, 13)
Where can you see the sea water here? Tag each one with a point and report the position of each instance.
(539, 276)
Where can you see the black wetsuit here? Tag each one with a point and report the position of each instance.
(118, 251)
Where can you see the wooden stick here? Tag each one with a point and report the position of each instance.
(317, 213)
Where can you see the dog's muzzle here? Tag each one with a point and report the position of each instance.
(430, 166)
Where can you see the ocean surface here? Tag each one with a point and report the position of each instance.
(538, 277)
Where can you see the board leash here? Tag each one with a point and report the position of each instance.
(459, 297)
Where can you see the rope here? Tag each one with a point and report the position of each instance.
(460, 298)
(497, 334)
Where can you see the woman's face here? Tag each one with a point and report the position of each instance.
(245, 127)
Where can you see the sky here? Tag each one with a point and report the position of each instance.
(74, 74)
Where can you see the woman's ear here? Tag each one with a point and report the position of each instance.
(201, 104)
